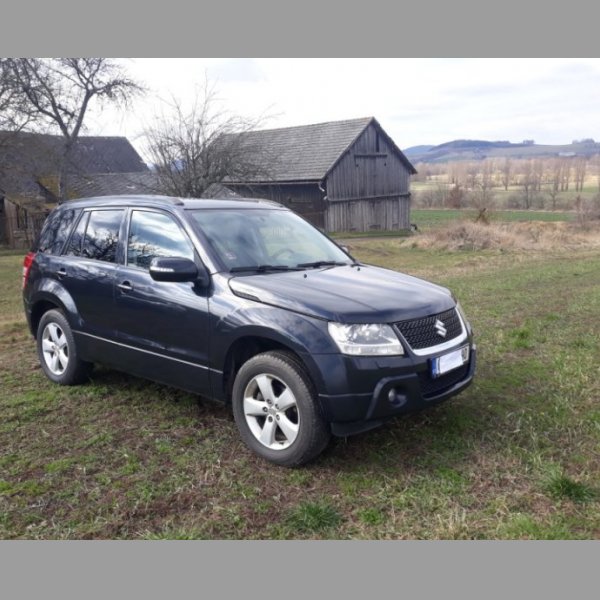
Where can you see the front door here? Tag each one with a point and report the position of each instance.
(163, 325)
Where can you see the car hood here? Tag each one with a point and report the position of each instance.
(346, 294)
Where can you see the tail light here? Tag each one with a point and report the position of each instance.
(27, 262)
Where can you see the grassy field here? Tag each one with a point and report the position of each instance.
(505, 199)
(515, 456)
(430, 218)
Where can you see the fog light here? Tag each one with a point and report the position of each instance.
(396, 399)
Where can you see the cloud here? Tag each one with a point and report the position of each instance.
(416, 100)
(237, 70)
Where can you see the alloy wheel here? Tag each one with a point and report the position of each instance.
(271, 411)
(55, 349)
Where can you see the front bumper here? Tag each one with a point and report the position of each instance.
(388, 387)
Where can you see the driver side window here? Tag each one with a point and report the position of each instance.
(153, 234)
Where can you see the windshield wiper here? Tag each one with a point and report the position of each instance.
(262, 268)
(322, 263)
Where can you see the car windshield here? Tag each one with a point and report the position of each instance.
(266, 240)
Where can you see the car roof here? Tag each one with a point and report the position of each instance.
(162, 201)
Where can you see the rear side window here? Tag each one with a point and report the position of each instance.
(56, 231)
(102, 235)
(96, 235)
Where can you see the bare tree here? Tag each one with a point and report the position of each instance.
(538, 173)
(565, 170)
(554, 183)
(506, 171)
(472, 174)
(423, 172)
(580, 165)
(193, 148)
(455, 197)
(7, 96)
(483, 194)
(13, 116)
(59, 91)
(433, 196)
(528, 182)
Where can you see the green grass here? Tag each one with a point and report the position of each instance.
(514, 456)
(309, 517)
(12, 252)
(560, 486)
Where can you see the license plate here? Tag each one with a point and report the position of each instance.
(448, 362)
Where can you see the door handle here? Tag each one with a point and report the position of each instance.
(125, 286)
(61, 273)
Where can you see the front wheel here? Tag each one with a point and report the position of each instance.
(276, 410)
(57, 352)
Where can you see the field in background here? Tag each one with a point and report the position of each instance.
(510, 199)
(546, 183)
(432, 218)
(514, 456)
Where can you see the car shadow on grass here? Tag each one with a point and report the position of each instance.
(109, 382)
(440, 436)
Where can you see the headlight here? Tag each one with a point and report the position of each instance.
(365, 340)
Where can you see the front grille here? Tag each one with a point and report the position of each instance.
(421, 333)
(433, 387)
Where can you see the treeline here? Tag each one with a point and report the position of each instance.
(546, 183)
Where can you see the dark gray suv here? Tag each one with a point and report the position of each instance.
(244, 302)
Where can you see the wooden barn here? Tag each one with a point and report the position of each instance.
(29, 165)
(341, 176)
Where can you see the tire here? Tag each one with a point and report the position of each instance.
(276, 410)
(57, 351)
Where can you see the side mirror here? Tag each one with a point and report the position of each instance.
(345, 249)
(174, 269)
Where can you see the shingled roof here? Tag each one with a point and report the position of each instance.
(27, 157)
(309, 152)
(108, 184)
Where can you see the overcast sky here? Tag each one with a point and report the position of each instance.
(417, 101)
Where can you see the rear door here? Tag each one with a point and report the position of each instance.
(87, 270)
(164, 325)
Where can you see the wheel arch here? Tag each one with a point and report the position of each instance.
(48, 296)
(248, 345)
(39, 309)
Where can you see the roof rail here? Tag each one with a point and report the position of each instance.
(176, 201)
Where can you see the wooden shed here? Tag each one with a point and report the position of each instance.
(29, 165)
(342, 175)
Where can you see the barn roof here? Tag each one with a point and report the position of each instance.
(309, 152)
(27, 157)
(108, 184)
(218, 190)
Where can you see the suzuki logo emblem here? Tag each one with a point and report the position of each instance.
(440, 329)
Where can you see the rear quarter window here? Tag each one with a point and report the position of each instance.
(56, 231)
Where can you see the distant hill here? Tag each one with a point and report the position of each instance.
(417, 150)
(480, 149)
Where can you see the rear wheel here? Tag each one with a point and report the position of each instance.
(57, 351)
(276, 410)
